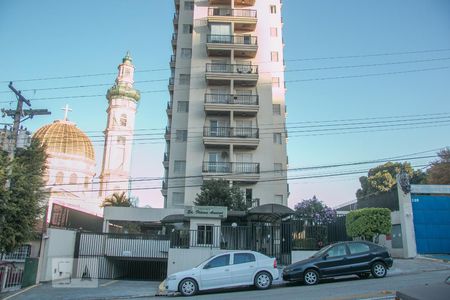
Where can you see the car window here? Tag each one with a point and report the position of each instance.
(356, 248)
(338, 250)
(219, 261)
(242, 258)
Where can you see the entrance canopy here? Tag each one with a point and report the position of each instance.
(269, 212)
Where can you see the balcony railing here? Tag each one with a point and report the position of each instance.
(164, 185)
(173, 58)
(230, 167)
(231, 99)
(229, 132)
(232, 39)
(171, 81)
(231, 68)
(166, 156)
(228, 12)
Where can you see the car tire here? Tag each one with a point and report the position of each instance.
(263, 280)
(378, 269)
(311, 277)
(364, 275)
(188, 287)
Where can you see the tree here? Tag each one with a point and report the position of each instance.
(117, 200)
(315, 210)
(21, 205)
(383, 178)
(220, 193)
(368, 223)
(439, 172)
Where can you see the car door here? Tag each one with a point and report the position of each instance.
(243, 268)
(359, 256)
(334, 261)
(216, 273)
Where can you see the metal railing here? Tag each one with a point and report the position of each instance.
(231, 99)
(166, 156)
(230, 167)
(173, 58)
(231, 68)
(232, 39)
(171, 81)
(164, 185)
(225, 237)
(239, 132)
(228, 12)
(10, 278)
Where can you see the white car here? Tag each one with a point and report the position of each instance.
(230, 269)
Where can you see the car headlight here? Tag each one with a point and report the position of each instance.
(172, 277)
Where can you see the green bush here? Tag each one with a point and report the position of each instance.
(368, 223)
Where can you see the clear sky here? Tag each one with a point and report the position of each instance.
(397, 60)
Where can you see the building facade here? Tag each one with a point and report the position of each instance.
(226, 113)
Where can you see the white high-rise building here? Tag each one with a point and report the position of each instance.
(226, 115)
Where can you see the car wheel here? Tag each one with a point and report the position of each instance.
(263, 281)
(311, 277)
(188, 287)
(378, 270)
(364, 275)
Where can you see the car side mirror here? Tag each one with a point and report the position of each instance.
(206, 266)
(325, 256)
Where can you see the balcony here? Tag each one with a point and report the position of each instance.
(169, 109)
(244, 46)
(174, 40)
(240, 104)
(173, 60)
(221, 74)
(164, 188)
(236, 2)
(175, 21)
(240, 137)
(243, 19)
(166, 160)
(167, 133)
(171, 84)
(236, 171)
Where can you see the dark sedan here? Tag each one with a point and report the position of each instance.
(345, 258)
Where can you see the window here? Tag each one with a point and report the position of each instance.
(277, 138)
(275, 81)
(338, 250)
(181, 135)
(20, 253)
(185, 79)
(189, 5)
(205, 236)
(273, 31)
(123, 120)
(73, 178)
(243, 258)
(278, 199)
(220, 261)
(356, 248)
(274, 56)
(59, 178)
(273, 9)
(186, 52)
(187, 28)
(179, 166)
(178, 199)
(121, 140)
(182, 106)
(276, 109)
(278, 168)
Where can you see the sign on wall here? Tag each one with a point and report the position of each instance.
(205, 212)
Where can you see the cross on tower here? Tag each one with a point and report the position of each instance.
(66, 110)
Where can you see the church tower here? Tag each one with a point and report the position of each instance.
(123, 100)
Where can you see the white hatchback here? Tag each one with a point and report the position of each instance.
(229, 269)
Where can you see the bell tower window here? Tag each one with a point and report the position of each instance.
(123, 120)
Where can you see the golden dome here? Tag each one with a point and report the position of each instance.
(65, 137)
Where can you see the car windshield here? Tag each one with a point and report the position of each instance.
(321, 251)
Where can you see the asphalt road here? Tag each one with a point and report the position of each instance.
(341, 289)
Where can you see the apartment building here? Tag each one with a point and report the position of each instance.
(226, 113)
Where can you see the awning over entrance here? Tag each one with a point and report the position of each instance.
(176, 218)
(269, 212)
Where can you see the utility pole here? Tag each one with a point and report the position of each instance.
(17, 115)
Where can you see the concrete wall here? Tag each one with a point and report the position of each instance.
(58, 246)
(184, 259)
(301, 255)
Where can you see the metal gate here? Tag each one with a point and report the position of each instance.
(431, 223)
(121, 256)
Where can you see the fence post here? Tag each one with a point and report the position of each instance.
(5, 275)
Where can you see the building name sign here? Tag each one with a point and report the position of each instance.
(206, 212)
